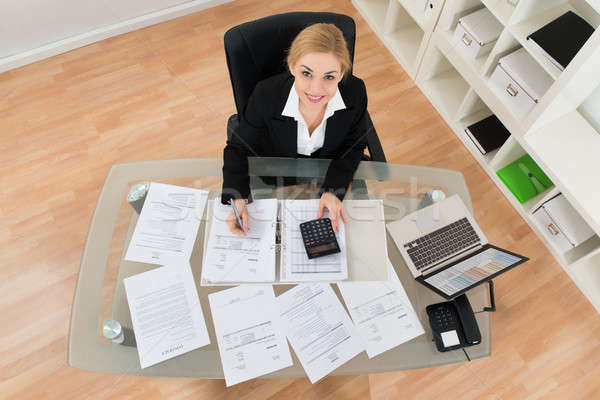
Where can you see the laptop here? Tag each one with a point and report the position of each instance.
(446, 250)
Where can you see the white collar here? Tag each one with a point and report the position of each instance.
(292, 105)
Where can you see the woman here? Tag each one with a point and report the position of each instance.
(317, 109)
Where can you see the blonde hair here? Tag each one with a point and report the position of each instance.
(320, 38)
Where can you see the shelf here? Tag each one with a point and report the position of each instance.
(590, 109)
(476, 63)
(560, 134)
(583, 251)
(446, 91)
(405, 44)
(469, 71)
(527, 27)
(571, 256)
(595, 4)
(569, 148)
(529, 205)
(374, 12)
(416, 10)
(501, 9)
(587, 276)
(463, 124)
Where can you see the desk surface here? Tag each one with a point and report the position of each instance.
(99, 294)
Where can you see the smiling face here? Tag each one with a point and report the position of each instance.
(316, 78)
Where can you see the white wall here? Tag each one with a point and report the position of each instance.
(31, 30)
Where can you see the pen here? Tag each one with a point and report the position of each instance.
(237, 215)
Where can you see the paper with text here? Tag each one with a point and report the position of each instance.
(295, 264)
(168, 224)
(318, 328)
(166, 313)
(249, 332)
(249, 257)
(382, 312)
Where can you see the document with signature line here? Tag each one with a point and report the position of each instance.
(166, 313)
(318, 328)
(382, 312)
(249, 332)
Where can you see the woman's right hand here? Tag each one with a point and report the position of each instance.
(234, 227)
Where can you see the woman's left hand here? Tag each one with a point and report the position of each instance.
(336, 209)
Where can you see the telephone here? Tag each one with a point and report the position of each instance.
(453, 324)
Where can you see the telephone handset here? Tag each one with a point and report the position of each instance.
(453, 324)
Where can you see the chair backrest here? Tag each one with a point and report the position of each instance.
(256, 50)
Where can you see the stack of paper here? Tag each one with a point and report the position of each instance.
(163, 302)
(251, 325)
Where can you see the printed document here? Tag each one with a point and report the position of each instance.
(249, 257)
(295, 264)
(165, 312)
(168, 224)
(249, 332)
(382, 312)
(318, 329)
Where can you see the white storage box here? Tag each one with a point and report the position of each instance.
(520, 82)
(477, 32)
(564, 227)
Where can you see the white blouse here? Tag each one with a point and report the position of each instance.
(308, 144)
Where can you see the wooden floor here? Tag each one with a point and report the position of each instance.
(164, 92)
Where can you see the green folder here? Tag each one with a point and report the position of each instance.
(524, 178)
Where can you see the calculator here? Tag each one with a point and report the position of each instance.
(319, 238)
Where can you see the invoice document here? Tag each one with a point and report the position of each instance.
(166, 313)
(318, 328)
(168, 224)
(249, 257)
(295, 264)
(249, 332)
(382, 312)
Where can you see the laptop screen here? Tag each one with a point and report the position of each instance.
(472, 270)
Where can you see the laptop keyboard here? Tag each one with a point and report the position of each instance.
(440, 244)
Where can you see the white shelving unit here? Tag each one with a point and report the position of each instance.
(561, 133)
(403, 26)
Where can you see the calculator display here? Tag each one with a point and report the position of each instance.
(323, 247)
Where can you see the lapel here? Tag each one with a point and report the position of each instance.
(286, 132)
(285, 128)
(337, 126)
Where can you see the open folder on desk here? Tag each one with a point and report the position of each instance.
(254, 256)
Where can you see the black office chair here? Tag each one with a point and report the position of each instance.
(256, 50)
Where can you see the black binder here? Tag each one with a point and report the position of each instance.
(488, 134)
(561, 39)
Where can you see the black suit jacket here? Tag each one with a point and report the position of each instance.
(265, 132)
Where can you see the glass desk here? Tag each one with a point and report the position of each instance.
(100, 295)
